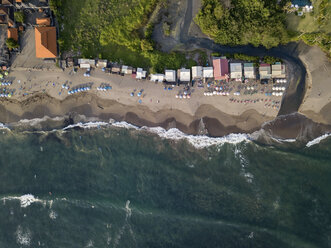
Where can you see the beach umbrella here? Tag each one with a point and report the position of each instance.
(6, 73)
(281, 93)
(180, 96)
(204, 93)
(273, 93)
(283, 88)
(188, 96)
(184, 96)
(1, 76)
(177, 96)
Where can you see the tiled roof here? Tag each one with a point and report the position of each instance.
(45, 38)
(13, 33)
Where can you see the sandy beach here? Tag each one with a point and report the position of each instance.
(39, 92)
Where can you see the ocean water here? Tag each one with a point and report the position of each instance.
(109, 186)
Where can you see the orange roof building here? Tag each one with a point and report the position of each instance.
(18, 1)
(13, 33)
(43, 21)
(45, 42)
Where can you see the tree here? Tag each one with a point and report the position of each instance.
(146, 45)
(11, 43)
(19, 16)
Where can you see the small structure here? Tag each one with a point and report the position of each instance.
(249, 70)
(43, 21)
(221, 68)
(102, 63)
(45, 38)
(12, 33)
(91, 62)
(207, 72)
(197, 72)
(170, 76)
(141, 74)
(63, 64)
(184, 75)
(265, 71)
(126, 70)
(157, 77)
(278, 70)
(85, 66)
(116, 69)
(236, 70)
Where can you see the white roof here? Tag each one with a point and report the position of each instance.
(197, 72)
(185, 75)
(87, 66)
(140, 73)
(157, 77)
(208, 72)
(235, 70)
(170, 75)
(86, 61)
(102, 63)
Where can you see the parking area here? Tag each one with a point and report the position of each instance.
(27, 57)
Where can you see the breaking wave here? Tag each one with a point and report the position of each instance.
(318, 140)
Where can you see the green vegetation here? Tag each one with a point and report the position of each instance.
(114, 30)
(11, 43)
(166, 29)
(313, 28)
(255, 22)
(19, 16)
(265, 22)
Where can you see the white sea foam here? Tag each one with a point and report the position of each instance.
(318, 140)
(52, 215)
(3, 126)
(87, 125)
(26, 200)
(36, 121)
(23, 236)
(198, 141)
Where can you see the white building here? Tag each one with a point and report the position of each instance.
(102, 63)
(236, 71)
(249, 70)
(141, 74)
(157, 77)
(84, 66)
(185, 75)
(170, 76)
(207, 72)
(91, 62)
(126, 69)
(196, 72)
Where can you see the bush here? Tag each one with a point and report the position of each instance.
(11, 43)
(166, 29)
(19, 16)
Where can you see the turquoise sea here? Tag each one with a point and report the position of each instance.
(119, 187)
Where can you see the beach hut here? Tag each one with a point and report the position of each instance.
(265, 71)
(278, 70)
(116, 69)
(102, 63)
(127, 70)
(170, 76)
(236, 70)
(197, 72)
(157, 77)
(85, 66)
(249, 70)
(207, 72)
(185, 75)
(221, 68)
(140, 74)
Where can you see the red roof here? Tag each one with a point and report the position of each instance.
(45, 42)
(264, 65)
(221, 68)
(13, 33)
